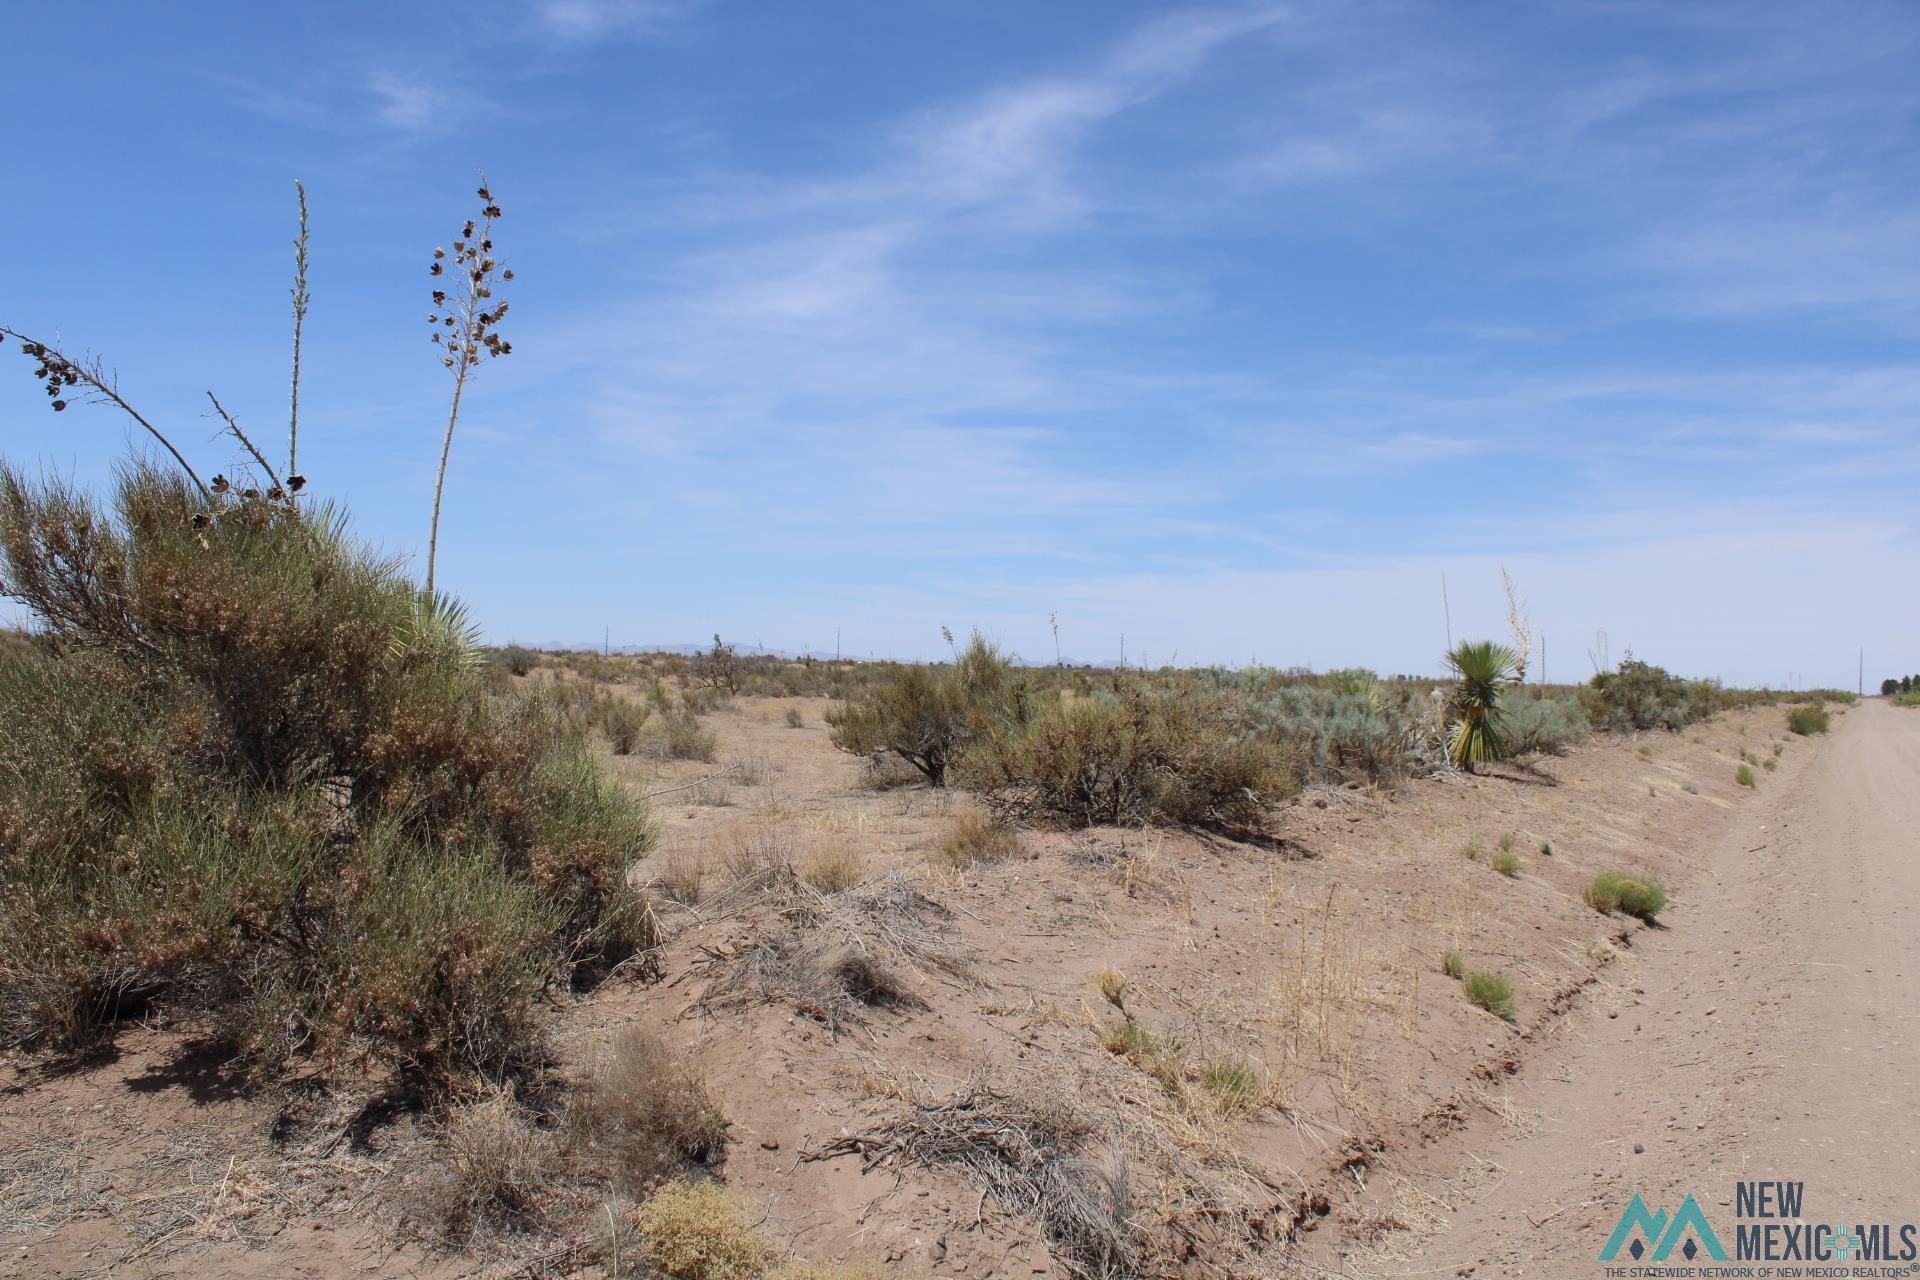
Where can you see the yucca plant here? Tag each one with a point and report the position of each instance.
(1484, 670)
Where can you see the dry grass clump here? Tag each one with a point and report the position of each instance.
(1453, 964)
(699, 1231)
(748, 848)
(794, 719)
(1506, 861)
(645, 1111)
(1032, 1152)
(973, 836)
(493, 1174)
(835, 869)
(838, 955)
(1632, 895)
(683, 874)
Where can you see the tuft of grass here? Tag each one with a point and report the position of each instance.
(1453, 964)
(834, 870)
(1632, 895)
(1507, 842)
(1770, 763)
(1506, 862)
(699, 1231)
(1234, 1085)
(794, 719)
(973, 836)
(682, 873)
(623, 722)
(1491, 992)
(1744, 776)
(1690, 788)
(1113, 987)
(1808, 720)
(1473, 850)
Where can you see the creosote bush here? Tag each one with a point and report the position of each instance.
(1629, 894)
(247, 771)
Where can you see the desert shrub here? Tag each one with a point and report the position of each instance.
(1135, 755)
(1543, 726)
(719, 668)
(515, 659)
(247, 771)
(1744, 776)
(492, 1172)
(1770, 763)
(623, 722)
(1642, 696)
(1506, 862)
(1491, 992)
(645, 1112)
(1349, 730)
(1629, 894)
(682, 737)
(1808, 720)
(1453, 965)
(834, 869)
(927, 715)
(794, 719)
(699, 1231)
(974, 836)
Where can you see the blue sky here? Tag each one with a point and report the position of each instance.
(1229, 329)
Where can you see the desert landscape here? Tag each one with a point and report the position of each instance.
(1227, 640)
(905, 1032)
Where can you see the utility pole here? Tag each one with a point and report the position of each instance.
(1447, 608)
(1863, 671)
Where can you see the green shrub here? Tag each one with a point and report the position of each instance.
(1744, 776)
(1134, 755)
(1453, 965)
(927, 715)
(1506, 862)
(623, 722)
(1632, 895)
(1642, 696)
(1808, 720)
(247, 773)
(1491, 992)
(1544, 726)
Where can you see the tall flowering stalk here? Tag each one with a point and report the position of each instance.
(465, 326)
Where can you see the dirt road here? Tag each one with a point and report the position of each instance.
(1768, 1032)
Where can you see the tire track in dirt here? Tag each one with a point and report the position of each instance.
(1768, 1031)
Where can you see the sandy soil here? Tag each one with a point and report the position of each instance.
(1767, 1032)
(1314, 959)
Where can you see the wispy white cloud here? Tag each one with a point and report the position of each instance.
(591, 20)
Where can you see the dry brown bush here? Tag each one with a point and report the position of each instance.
(645, 1112)
(493, 1173)
(973, 836)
